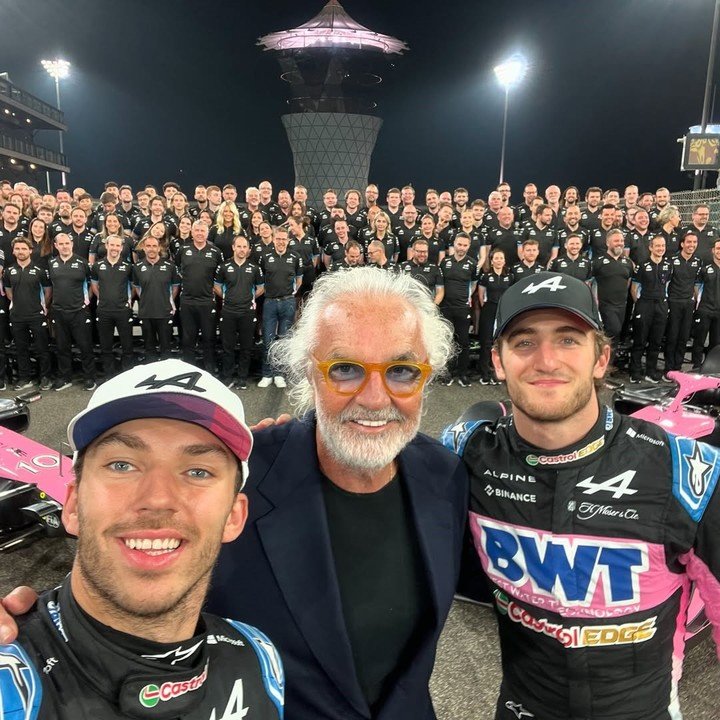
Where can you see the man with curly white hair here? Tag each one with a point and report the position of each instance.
(352, 549)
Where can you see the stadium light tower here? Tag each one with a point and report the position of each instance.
(508, 74)
(58, 70)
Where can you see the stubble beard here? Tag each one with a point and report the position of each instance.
(540, 411)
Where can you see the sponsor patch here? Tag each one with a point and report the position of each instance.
(578, 454)
(695, 474)
(456, 436)
(152, 693)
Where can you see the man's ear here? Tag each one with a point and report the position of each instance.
(236, 519)
(70, 509)
(497, 364)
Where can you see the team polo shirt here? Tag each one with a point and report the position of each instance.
(590, 219)
(155, 281)
(705, 237)
(435, 247)
(598, 236)
(459, 278)
(611, 278)
(58, 226)
(82, 241)
(7, 236)
(129, 218)
(281, 272)
(335, 251)
(523, 215)
(259, 250)
(579, 268)
(99, 251)
(405, 236)
(652, 280)
(114, 284)
(198, 267)
(429, 274)
(70, 282)
(505, 239)
(546, 237)
(564, 232)
(639, 245)
(521, 270)
(238, 284)
(710, 289)
(356, 219)
(684, 278)
(27, 285)
(307, 248)
(495, 285)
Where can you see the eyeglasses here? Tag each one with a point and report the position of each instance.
(401, 378)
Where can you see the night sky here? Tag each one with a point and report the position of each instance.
(177, 89)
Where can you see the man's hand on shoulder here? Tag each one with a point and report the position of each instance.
(269, 422)
(17, 602)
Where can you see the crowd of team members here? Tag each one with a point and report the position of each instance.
(80, 272)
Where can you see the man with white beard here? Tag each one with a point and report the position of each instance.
(351, 552)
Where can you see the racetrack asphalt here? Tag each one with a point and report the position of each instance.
(467, 672)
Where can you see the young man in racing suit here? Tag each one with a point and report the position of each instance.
(589, 525)
(160, 459)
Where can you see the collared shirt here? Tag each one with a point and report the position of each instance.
(197, 268)
(114, 284)
(155, 282)
(70, 282)
(27, 285)
(281, 272)
(238, 284)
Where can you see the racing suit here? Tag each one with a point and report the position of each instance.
(67, 665)
(590, 551)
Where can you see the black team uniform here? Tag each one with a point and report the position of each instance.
(113, 283)
(429, 274)
(610, 277)
(495, 285)
(460, 278)
(238, 283)
(197, 268)
(580, 267)
(71, 318)
(707, 317)
(681, 303)
(649, 317)
(154, 283)
(28, 318)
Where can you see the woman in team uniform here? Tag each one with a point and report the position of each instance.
(225, 229)
(381, 231)
(491, 286)
(42, 245)
(111, 226)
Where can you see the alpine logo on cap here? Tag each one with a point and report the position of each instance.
(552, 284)
(187, 381)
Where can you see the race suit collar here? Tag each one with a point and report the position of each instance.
(144, 679)
(575, 455)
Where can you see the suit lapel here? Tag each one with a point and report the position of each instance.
(296, 540)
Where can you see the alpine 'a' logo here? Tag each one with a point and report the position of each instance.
(553, 284)
(187, 381)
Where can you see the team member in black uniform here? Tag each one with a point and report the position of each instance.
(156, 282)
(528, 264)
(334, 251)
(707, 317)
(571, 226)
(491, 286)
(649, 291)
(542, 230)
(283, 271)
(590, 217)
(406, 231)
(62, 223)
(306, 247)
(423, 270)
(225, 229)
(523, 213)
(504, 237)
(353, 257)
(598, 234)
(638, 240)
(572, 262)
(460, 277)
(377, 258)
(71, 320)
(705, 232)
(611, 274)
(436, 249)
(669, 220)
(197, 264)
(123, 636)
(112, 285)
(682, 292)
(238, 282)
(82, 236)
(10, 228)
(28, 289)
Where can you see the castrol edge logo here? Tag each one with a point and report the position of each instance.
(152, 693)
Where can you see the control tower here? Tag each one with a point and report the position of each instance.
(333, 67)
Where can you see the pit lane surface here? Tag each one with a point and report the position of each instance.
(467, 672)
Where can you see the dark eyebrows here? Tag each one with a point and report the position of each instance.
(130, 441)
(564, 329)
(207, 449)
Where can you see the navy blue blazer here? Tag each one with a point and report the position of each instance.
(279, 575)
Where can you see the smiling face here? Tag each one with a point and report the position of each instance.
(548, 360)
(367, 430)
(150, 517)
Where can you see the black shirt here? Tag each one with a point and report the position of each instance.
(705, 237)
(155, 281)
(70, 282)
(83, 241)
(710, 297)
(460, 278)
(307, 248)
(652, 279)
(6, 238)
(335, 251)
(223, 240)
(58, 226)
(590, 219)
(281, 271)
(405, 236)
(495, 285)
(28, 296)
(99, 251)
(579, 268)
(685, 275)
(428, 274)
(611, 277)
(598, 244)
(197, 268)
(505, 239)
(390, 242)
(259, 250)
(564, 232)
(639, 245)
(114, 283)
(546, 237)
(521, 270)
(238, 283)
(382, 580)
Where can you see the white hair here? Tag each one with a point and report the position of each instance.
(292, 354)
